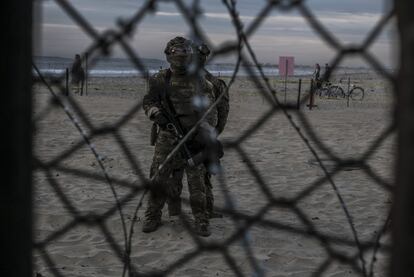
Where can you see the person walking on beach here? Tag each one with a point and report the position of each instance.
(171, 103)
(78, 75)
(316, 75)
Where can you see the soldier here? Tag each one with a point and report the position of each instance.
(174, 200)
(174, 91)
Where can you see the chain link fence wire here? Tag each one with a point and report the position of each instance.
(365, 251)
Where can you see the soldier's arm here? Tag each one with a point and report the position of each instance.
(223, 107)
(152, 99)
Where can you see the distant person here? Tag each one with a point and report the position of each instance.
(78, 75)
(317, 74)
(317, 71)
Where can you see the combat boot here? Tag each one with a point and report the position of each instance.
(151, 223)
(202, 228)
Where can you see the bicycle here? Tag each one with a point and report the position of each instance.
(356, 93)
(336, 91)
(327, 90)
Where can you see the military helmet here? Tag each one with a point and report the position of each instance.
(177, 41)
(203, 49)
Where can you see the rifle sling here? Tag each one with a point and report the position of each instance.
(172, 113)
(168, 104)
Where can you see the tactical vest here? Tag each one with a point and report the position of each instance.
(181, 92)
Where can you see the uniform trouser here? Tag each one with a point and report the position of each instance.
(174, 199)
(164, 183)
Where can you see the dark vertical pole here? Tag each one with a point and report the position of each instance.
(299, 91)
(286, 73)
(349, 90)
(67, 81)
(403, 221)
(311, 96)
(86, 73)
(16, 109)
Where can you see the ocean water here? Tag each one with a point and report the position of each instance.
(54, 66)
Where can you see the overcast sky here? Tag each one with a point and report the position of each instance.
(282, 33)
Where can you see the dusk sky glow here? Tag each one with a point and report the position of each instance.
(282, 33)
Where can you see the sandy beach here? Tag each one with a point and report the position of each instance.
(282, 245)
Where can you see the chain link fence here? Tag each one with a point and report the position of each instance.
(358, 252)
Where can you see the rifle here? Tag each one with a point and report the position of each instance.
(175, 124)
(187, 154)
(176, 127)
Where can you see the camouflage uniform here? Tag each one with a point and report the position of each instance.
(174, 199)
(181, 92)
(223, 106)
(222, 114)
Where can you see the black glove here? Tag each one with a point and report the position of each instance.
(161, 120)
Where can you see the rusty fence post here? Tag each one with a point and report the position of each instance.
(312, 95)
(16, 109)
(299, 91)
(403, 217)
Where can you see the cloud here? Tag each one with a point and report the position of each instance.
(329, 18)
(280, 32)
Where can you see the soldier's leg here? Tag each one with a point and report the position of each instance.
(174, 196)
(196, 187)
(157, 194)
(156, 199)
(161, 179)
(210, 198)
(209, 194)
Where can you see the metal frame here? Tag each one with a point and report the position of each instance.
(403, 224)
(16, 191)
(16, 150)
